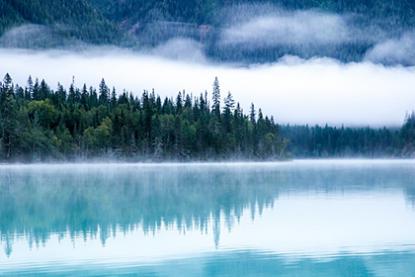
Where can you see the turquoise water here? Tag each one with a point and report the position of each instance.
(301, 218)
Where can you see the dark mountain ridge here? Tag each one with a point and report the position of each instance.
(143, 24)
(76, 19)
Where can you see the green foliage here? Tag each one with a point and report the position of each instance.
(146, 23)
(74, 19)
(398, 12)
(199, 11)
(327, 141)
(7, 117)
(38, 123)
(408, 135)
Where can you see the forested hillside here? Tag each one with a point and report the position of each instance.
(75, 19)
(347, 30)
(369, 22)
(206, 12)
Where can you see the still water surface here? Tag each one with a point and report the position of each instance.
(301, 218)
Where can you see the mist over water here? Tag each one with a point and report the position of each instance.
(318, 216)
(293, 90)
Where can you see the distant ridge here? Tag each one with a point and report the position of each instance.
(76, 19)
(145, 24)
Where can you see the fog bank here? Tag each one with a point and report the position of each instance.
(292, 90)
(298, 28)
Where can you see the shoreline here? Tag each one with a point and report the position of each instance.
(311, 161)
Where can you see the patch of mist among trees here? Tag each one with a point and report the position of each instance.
(246, 34)
(33, 36)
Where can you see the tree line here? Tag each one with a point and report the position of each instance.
(38, 123)
(331, 141)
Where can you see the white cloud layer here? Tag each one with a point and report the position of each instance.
(293, 90)
(35, 36)
(180, 49)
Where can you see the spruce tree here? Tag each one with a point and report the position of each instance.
(227, 111)
(84, 97)
(113, 97)
(29, 88)
(8, 117)
(252, 114)
(216, 97)
(103, 93)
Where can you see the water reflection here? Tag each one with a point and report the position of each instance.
(245, 263)
(267, 213)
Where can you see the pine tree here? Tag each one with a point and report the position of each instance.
(113, 97)
(227, 111)
(44, 90)
(29, 88)
(252, 114)
(103, 93)
(8, 117)
(84, 97)
(216, 97)
(71, 94)
(179, 103)
(36, 90)
(60, 95)
(229, 103)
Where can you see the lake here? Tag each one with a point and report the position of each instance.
(297, 218)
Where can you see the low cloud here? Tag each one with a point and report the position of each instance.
(394, 51)
(259, 29)
(298, 28)
(180, 49)
(32, 36)
(249, 34)
(293, 90)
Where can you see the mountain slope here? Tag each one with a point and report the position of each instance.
(252, 31)
(74, 19)
(206, 11)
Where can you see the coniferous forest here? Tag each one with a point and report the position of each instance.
(143, 24)
(38, 123)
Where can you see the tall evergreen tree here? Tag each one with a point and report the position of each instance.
(29, 88)
(216, 97)
(8, 117)
(113, 97)
(227, 111)
(103, 93)
(252, 114)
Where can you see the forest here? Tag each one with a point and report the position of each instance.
(142, 24)
(68, 19)
(38, 123)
